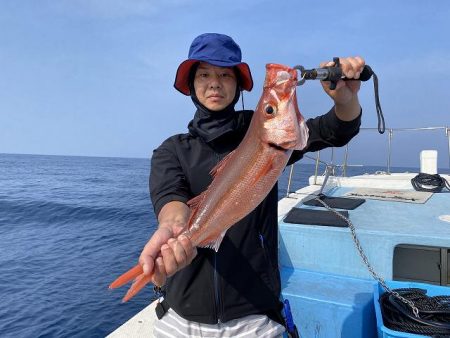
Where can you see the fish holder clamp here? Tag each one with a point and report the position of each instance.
(334, 74)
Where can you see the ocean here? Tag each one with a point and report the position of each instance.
(68, 227)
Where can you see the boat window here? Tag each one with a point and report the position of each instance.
(419, 263)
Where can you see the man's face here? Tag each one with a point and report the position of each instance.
(215, 87)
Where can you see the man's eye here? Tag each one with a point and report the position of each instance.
(203, 75)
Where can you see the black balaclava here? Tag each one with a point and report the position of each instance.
(208, 124)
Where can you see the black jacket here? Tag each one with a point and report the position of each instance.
(242, 278)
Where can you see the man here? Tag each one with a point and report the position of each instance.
(237, 289)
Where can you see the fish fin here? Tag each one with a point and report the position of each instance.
(193, 205)
(304, 134)
(127, 277)
(215, 245)
(194, 202)
(219, 166)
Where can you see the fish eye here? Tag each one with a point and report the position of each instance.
(270, 109)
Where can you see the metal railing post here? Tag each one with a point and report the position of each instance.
(317, 167)
(390, 134)
(344, 169)
(447, 132)
(289, 181)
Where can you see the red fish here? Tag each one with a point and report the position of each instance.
(245, 176)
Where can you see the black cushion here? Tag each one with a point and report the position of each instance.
(315, 217)
(336, 202)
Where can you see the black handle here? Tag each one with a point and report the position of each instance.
(366, 74)
(334, 74)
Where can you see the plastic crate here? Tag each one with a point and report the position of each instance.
(383, 331)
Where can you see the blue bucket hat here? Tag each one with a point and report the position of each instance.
(218, 50)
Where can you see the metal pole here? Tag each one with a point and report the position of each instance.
(447, 132)
(317, 167)
(328, 172)
(289, 181)
(390, 134)
(344, 173)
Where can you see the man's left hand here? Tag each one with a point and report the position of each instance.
(345, 96)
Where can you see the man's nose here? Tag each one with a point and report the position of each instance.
(215, 82)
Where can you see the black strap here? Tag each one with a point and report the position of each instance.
(365, 75)
(162, 308)
(381, 123)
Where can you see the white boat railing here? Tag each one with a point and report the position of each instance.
(390, 134)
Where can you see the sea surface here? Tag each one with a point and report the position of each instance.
(68, 227)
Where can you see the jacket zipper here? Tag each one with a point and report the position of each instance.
(267, 257)
(217, 291)
(261, 239)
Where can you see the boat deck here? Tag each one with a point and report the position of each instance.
(323, 276)
(380, 225)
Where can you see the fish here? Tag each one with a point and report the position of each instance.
(247, 174)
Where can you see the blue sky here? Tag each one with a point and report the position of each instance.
(95, 77)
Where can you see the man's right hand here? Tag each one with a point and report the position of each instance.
(168, 252)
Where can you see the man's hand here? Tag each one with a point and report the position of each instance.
(166, 252)
(345, 96)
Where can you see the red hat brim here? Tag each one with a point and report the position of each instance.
(182, 77)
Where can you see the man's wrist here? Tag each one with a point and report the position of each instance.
(167, 228)
(349, 111)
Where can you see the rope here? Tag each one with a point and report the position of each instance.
(434, 313)
(430, 183)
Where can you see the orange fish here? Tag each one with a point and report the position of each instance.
(245, 176)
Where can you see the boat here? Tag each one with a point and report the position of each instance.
(333, 273)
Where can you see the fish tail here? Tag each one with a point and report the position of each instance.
(137, 285)
(127, 277)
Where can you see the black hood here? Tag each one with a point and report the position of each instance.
(208, 124)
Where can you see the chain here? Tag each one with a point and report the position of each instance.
(415, 310)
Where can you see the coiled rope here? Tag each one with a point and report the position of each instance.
(434, 313)
(430, 183)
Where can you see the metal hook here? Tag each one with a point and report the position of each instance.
(302, 73)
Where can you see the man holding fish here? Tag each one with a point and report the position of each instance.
(215, 195)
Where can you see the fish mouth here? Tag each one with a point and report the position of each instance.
(277, 147)
(284, 145)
